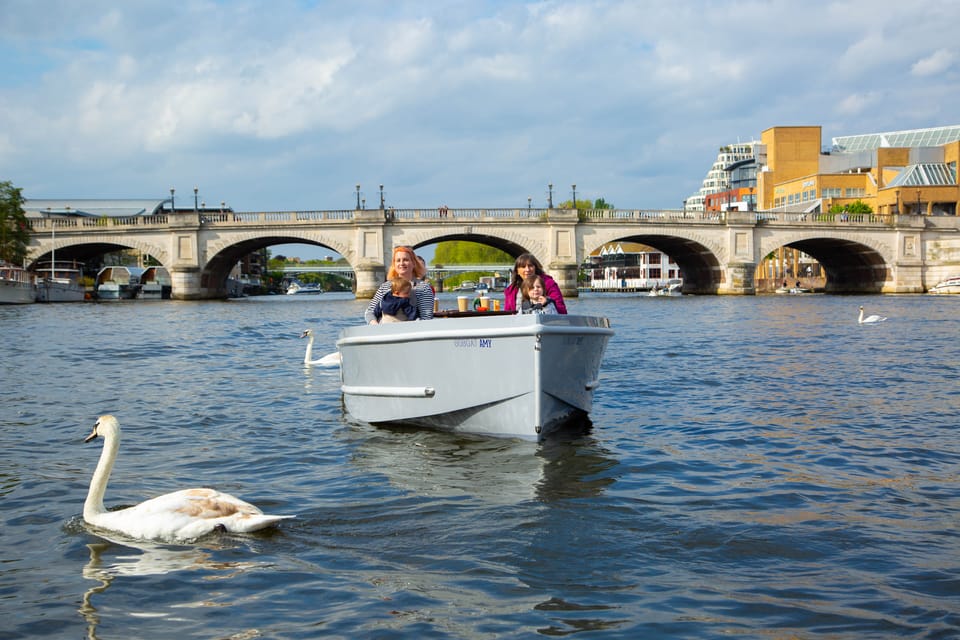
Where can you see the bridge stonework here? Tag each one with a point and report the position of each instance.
(717, 253)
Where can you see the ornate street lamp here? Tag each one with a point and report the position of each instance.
(574, 187)
(918, 201)
(529, 203)
(550, 196)
(172, 208)
(381, 197)
(358, 196)
(196, 190)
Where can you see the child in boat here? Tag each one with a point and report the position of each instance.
(396, 306)
(535, 299)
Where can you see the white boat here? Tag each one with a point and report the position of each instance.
(950, 285)
(118, 282)
(60, 283)
(17, 285)
(467, 285)
(508, 375)
(300, 289)
(155, 284)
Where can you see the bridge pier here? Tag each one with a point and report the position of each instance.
(368, 279)
(185, 283)
(740, 280)
(565, 275)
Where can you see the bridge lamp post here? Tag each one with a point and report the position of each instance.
(918, 201)
(381, 197)
(550, 196)
(529, 203)
(574, 187)
(358, 196)
(172, 208)
(196, 191)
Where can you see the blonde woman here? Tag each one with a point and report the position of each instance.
(404, 265)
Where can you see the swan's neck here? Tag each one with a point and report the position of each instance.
(861, 315)
(98, 484)
(309, 354)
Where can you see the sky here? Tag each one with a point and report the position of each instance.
(288, 104)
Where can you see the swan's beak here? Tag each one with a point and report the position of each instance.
(305, 334)
(92, 435)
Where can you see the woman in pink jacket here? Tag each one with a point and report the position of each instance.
(527, 265)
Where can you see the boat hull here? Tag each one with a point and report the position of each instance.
(60, 290)
(519, 376)
(950, 286)
(12, 292)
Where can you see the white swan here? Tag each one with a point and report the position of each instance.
(181, 515)
(869, 319)
(329, 360)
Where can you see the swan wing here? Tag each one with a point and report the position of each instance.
(185, 515)
(329, 360)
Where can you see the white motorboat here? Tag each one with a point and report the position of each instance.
(60, 283)
(300, 289)
(17, 285)
(950, 285)
(155, 284)
(491, 373)
(118, 282)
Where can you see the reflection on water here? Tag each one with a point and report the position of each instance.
(114, 559)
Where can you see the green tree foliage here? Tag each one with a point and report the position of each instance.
(858, 206)
(599, 203)
(14, 226)
(462, 252)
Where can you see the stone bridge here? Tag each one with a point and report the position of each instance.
(716, 253)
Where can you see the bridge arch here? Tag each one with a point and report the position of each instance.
(852, 265)
(82, 251)
(223, 253)
(701, 265)
(512, 243)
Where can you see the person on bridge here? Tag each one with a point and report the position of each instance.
(404, 265)
(527, 265)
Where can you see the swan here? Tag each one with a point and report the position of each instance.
(869, 319)
(181, 515)
(329, 360)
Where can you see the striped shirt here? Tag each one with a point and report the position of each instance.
(421, 291)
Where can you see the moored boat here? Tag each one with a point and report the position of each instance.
(155, 284)
(301, 289)
(60, 282)
(118, 282)
(489, 373)
(950, 285)
(17, 285)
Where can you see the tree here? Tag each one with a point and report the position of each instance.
(14, 227)
(859, 206)
(599, 203)
(463, 252)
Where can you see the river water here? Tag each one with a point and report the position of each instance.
(757, 467)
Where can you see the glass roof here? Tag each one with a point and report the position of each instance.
(924, 175)
(934, 137)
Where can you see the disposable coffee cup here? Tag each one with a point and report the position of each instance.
(484, 303)
(463, 303)
(496, 305)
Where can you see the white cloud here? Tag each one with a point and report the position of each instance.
(936, 63)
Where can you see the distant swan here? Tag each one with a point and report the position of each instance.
(181, 515)
(329, 360)
(869, 319)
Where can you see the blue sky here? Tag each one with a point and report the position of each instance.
(287, 105)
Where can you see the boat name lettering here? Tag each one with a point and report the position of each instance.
(483, 343)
